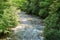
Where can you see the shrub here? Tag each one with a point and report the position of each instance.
(33, 7)
(52, 29)
(44, 4)
(52, 34)
(8, 17)
(21, 4)
(40, 7)
(44, 8)
(43, 13)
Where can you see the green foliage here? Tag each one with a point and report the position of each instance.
(8, 16)
(43, 13)
(33, 7)
(44, 8)
(21, 4)
(40, 7)
(52, 29)
(44, 4)
(52, 35)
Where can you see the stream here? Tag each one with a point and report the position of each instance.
(30, 28)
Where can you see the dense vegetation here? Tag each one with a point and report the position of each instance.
(39, 8)
(52, 29)
(49, 10)
(8, 17)
(20, 4)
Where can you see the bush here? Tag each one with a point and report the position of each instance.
(44, 8)
(43, 13)
(8, 17)
(40, 8)
(44, 4)
(33, 7)
(21, 4)
(52, 29)
(52, 34)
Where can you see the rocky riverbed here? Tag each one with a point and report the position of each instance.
(30, 28)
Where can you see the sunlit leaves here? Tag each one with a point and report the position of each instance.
(8, 16)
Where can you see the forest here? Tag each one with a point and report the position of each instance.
(47, 10)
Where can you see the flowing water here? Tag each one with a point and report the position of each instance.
(30, 28)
